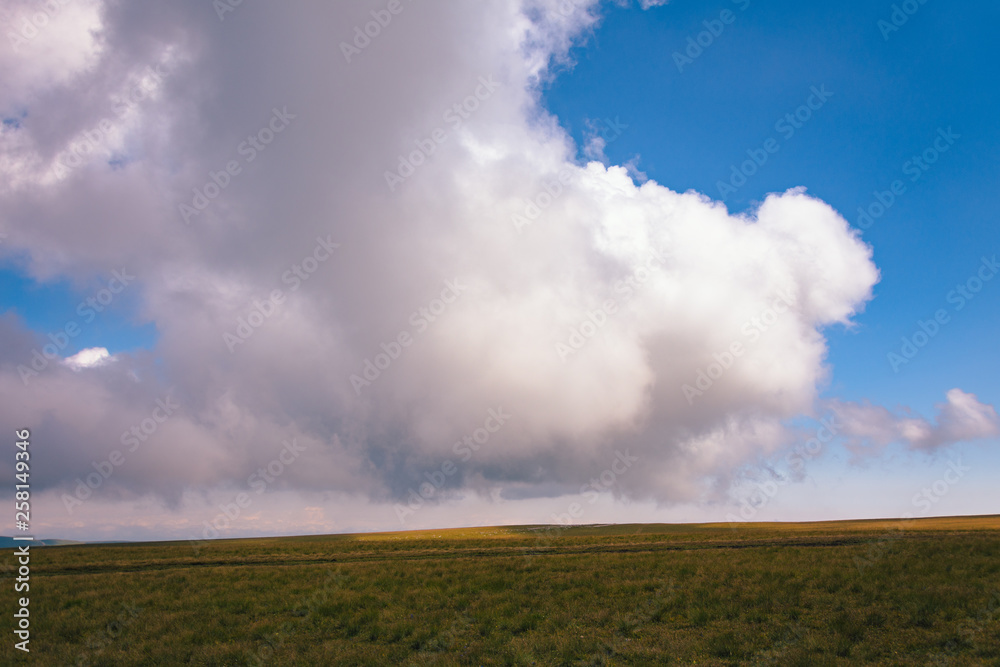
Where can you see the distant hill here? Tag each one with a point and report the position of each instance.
(10, 542)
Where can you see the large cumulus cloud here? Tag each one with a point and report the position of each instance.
(564, 293)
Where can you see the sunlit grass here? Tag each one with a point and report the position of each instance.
(781, 594)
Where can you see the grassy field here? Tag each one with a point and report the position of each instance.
(922, 592)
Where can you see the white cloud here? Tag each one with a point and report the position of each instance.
(527, 289)
(47, 44)
(94, 356)
(961, 418)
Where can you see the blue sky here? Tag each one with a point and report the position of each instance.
(889, 99)
(47, 307)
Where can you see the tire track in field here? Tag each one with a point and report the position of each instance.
(519, 551)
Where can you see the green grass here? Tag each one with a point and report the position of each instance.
(834, 593)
